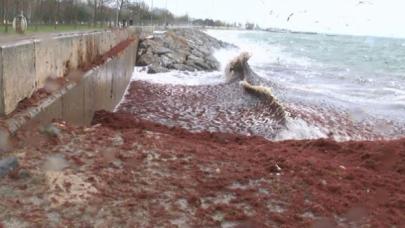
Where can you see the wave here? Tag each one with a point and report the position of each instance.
(208, 101)
(313, 100)
(239, 70)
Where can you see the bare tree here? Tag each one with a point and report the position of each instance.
(96, 4)
(92, 12)
(56, 15)
(120, 5)
(5, 14)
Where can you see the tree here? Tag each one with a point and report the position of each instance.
(120, 5)
(91, 12)
(95, 4)
(5, 14)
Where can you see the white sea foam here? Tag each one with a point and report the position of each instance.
(299, 129)
(176, 77)
(263, 53)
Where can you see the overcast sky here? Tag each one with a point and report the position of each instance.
(361, 17)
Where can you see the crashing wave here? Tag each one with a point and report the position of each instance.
(239, 70)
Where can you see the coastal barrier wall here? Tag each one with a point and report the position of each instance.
(26, 66)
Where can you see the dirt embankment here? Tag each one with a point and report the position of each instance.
(127, 172)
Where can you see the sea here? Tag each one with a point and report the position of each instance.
(339, 86)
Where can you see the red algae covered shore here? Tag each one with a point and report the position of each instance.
(182, 156)
(128, 172)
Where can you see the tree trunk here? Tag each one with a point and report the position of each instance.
(101, 13)
(95, 14)
(75, 13)
(119, 11)
(2, 12)
(55, 20)
(5, 14)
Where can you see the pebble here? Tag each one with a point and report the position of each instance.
(7, 165)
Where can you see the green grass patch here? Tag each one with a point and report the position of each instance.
(32, 29)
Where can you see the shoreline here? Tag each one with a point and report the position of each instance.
(126, 170)
(172, 177)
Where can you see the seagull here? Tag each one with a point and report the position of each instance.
(289, 17)
(292, 14)
(364, 2)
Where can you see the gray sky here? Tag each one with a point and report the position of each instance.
(361, 17)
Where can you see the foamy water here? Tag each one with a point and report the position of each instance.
(339, 86)
(360, 77)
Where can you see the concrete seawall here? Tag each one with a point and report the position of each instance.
(24, 68)
(26, 65)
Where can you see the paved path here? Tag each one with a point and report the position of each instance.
(12, 38)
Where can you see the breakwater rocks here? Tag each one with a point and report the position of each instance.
(179, 49)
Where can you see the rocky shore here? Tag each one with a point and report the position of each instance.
(179, 49)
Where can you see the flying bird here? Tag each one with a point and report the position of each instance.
(364, 2)
(289, 17)
(292, 14)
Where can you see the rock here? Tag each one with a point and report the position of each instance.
(199, 65)
(55, 162)
(166, 61)
(7, 165)
(51, 130)
(24, 174)
(179, 49)
(5, 144)
(153, 69)
(182, 67)
(194, 58)
(162, 50)
(145, 59)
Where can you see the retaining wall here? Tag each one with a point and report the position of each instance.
(25, 66)
(102, 87)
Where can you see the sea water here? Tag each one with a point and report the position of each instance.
(351, 86)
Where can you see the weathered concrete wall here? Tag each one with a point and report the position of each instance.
(100, 88)
(27, 65)
(16, 75)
